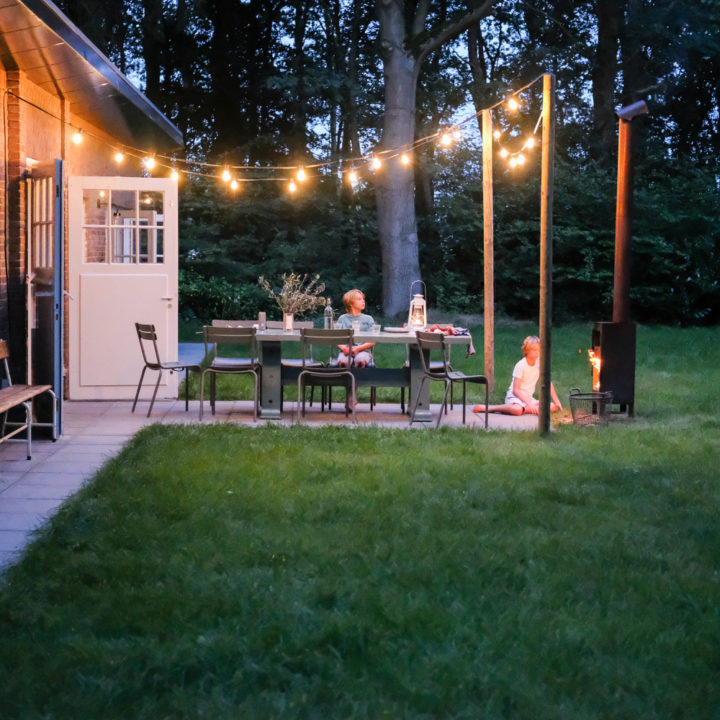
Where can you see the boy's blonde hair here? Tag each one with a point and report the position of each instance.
(349, 295)
(528, 341)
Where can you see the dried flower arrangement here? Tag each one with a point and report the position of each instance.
(299, 293)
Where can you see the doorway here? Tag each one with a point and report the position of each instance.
(123, 269)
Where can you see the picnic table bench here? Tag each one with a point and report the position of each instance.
(14, 396)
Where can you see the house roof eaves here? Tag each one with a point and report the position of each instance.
(163, 131)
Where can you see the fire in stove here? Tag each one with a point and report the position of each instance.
(596, 363)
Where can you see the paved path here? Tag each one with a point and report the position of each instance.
(32, 490)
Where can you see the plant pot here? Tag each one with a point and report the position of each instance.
(288, 325)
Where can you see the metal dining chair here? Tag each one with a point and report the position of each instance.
(296, 362)
(328, 375)
(428, 343)
(147, 338)
(218, 338)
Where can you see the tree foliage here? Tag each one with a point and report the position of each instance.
(272, 83)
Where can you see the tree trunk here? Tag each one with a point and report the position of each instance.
(604, 72)
(395, 203)
(395, 200)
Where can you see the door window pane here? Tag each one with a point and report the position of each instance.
(95, 207)
(123, 206)
(95, 245)
(123, 245)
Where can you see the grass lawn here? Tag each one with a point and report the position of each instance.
(239, 572)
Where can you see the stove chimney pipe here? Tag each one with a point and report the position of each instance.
(623, 211)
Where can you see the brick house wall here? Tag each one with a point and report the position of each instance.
(36, 127)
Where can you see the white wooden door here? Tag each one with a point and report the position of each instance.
(122, 269)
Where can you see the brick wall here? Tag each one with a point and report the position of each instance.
(36, 124)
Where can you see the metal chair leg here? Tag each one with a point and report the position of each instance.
(157, 385)
(137, 392)
(448, 385)
(202, 394)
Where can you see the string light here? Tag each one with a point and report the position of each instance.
(404, 158)
(234, 184)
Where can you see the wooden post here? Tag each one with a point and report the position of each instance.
(488, 248)
(546, 208)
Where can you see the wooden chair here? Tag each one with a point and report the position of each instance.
(217, 337)
(428, 343)
(147, 337)
(329, 375)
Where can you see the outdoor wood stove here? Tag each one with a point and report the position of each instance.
(613, 362)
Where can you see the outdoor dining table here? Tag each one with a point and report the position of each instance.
(275, 375)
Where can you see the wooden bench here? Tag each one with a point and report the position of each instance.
(14, 396)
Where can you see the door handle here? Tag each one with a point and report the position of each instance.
(167, 298)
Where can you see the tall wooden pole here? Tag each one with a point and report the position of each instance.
(488, 248)
(546, 209)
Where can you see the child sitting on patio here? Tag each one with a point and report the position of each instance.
(519, 398)
(354, 301)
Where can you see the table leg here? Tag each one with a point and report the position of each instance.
(271, 381)
(422, 414)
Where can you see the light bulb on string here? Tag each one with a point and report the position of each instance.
(234, 184)
(446, 139)
(301, 175)
(375, 163)
(497, 134)
(530, 142)
(513, 104)
(352, 177)
(174, 175)
(513, 162)
(405, 159)
(149, 162)
(503, 152)
(520, 159)
(119, 157)
(226, 175)
(292, 187)
(77, 137)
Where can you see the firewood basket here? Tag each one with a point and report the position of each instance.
(590, 408)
